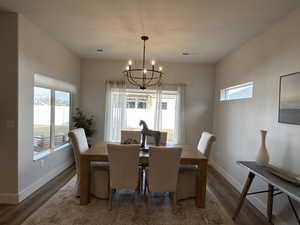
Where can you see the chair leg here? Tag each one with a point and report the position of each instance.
(146, 187)
(174, 201)
(110, 199)
(135, 197)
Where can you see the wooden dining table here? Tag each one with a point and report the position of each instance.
(189, 156)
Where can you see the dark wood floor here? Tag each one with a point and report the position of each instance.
(225, 193)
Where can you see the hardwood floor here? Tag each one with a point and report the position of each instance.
(225, 193)
(228, 197)
(16, 214)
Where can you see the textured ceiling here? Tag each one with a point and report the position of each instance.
(208, 29)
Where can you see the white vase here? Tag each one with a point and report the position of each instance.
(262, 157)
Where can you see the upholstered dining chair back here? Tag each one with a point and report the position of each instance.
(124, 170)
(163, 139)
(205, 143)
(79, 143)
(130, 137)
(163, 168)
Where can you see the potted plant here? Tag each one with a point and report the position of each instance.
(81, 120)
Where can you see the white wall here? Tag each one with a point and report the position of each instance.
(39, 53)
(199, 80)
(9, 105)
(237, 123)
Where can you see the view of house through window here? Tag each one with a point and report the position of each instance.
(62, 118)
(141, 105)
(51, 120)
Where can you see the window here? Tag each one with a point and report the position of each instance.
(51, 121)
(237, 92)
(62, 118)
(142, 104)
(131, 103)
(42, 119)
(146, 109)
(164, 105)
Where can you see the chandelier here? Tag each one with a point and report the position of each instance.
(143, 77)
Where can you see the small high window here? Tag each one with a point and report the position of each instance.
(241, 91)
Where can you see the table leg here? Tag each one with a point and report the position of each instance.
(244, 194)
(201, 184)
(84, 180)
(270, 203)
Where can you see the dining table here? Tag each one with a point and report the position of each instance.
(189, 156)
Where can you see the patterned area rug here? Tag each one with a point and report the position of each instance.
(64, 209)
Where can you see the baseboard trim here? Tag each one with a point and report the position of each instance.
(258, 203)
(42, 181)
(9, 198)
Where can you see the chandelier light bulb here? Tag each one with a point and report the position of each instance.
(127, 67)
(145, 71)
(153, 62)
(160, 68)
(130, 62)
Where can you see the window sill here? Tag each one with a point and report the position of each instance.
(43, 154)
(40, 155)
(64, 146)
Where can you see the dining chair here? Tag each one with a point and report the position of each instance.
(130, 137)
(162, 173)
(187, 178)
(99, 171)
(163, 139)
(124, 168)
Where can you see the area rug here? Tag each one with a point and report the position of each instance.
(64, 209)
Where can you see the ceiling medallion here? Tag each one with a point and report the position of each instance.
(143, 77)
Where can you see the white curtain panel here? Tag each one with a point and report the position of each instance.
(158, 110)
(115, 113)
(179, 117)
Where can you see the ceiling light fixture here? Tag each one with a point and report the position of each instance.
(143, 77)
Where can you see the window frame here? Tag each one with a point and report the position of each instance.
(46, 152)
(224, 95)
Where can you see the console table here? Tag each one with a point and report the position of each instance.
(276, 186)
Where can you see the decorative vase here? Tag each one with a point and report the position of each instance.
(262, 157)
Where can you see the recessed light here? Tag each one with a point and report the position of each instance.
(100, 50)
(185, 53)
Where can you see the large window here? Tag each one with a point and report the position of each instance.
(51, 121)
(142, 105)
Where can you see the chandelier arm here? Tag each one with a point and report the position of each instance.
(144, 54)
(152, 75)
(157, 82)
(140, 78)
(153, 84)
(132, 80)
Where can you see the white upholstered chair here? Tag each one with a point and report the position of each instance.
(163, 139)
(186, 187)
(162, 173)
(99, 171)
(130, 137)
(123, 169)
